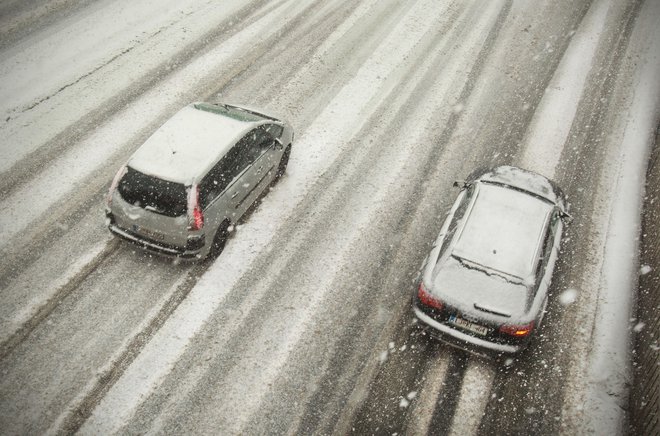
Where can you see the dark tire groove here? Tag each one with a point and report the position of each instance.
(44, 311)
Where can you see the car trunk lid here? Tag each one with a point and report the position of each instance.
(486, 293)
(152, 208)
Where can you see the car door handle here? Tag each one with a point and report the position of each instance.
(234, 195)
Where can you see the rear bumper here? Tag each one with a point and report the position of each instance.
(462, 340)
(153, 246)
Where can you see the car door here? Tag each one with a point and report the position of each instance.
(548, 258)
(258, 151)
(556, 228)
(221, 189)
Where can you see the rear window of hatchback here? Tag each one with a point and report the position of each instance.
(153, 194)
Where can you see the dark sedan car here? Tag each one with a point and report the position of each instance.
(485, 283)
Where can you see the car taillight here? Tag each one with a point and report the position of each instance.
(519, 331)
(195, 213)
(114, 184)
(427, 299)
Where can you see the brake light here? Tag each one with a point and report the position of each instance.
(195, 213)
(114, 184)
(519, 331)
(427, 299)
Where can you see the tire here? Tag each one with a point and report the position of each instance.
(220, 239)
(281, 168)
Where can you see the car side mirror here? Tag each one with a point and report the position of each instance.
(277, 144)
(566, 217)
(460, 184)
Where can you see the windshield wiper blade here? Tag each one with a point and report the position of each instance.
(490, 271)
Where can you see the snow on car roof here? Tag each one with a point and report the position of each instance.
(503, 230)
(188, 144)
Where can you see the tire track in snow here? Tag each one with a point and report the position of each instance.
(81, 407)
(549, 370)
(418, 418)
(473, 398)
(71, 347)
(26, 321)
(436, 376)
(551, 125)
(608, 368)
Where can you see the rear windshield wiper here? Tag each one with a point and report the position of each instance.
(490, 271)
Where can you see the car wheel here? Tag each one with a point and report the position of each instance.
(219, 240)
(281, 168)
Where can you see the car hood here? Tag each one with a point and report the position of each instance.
(472, 290)
(527, 181)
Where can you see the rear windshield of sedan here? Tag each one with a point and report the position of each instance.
(154, 194)
(504, 230)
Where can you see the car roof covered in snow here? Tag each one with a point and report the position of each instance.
(191, 142)
(504, 230)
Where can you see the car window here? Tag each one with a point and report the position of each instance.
(154, 194)
(274, 130)
(224, 172)
(258, 142)
(548, 243)
(458, 216)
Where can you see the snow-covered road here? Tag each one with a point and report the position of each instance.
(303, 324)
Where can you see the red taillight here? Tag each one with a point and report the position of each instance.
(114, 184)
(198, 218)
(195, 213)
(519, 331)
(427, 299)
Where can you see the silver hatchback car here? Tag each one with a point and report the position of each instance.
(485, 283)
(180, 192)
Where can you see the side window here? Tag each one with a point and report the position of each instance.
(458, 216)
(224, 172)
(258, 142)
(274, 130)
(241, 156)
(548, 243)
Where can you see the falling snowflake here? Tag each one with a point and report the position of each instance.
(383, 356)
(568, 296)
(639, 327)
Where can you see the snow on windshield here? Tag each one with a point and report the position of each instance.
(503, 230)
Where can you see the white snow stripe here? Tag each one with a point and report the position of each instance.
(422, 415)
(552, 121)
(473, 398)
(39, 299)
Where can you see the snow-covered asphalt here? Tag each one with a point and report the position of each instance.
(303, 324)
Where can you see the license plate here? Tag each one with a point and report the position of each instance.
(148, 233)
(467, 325)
